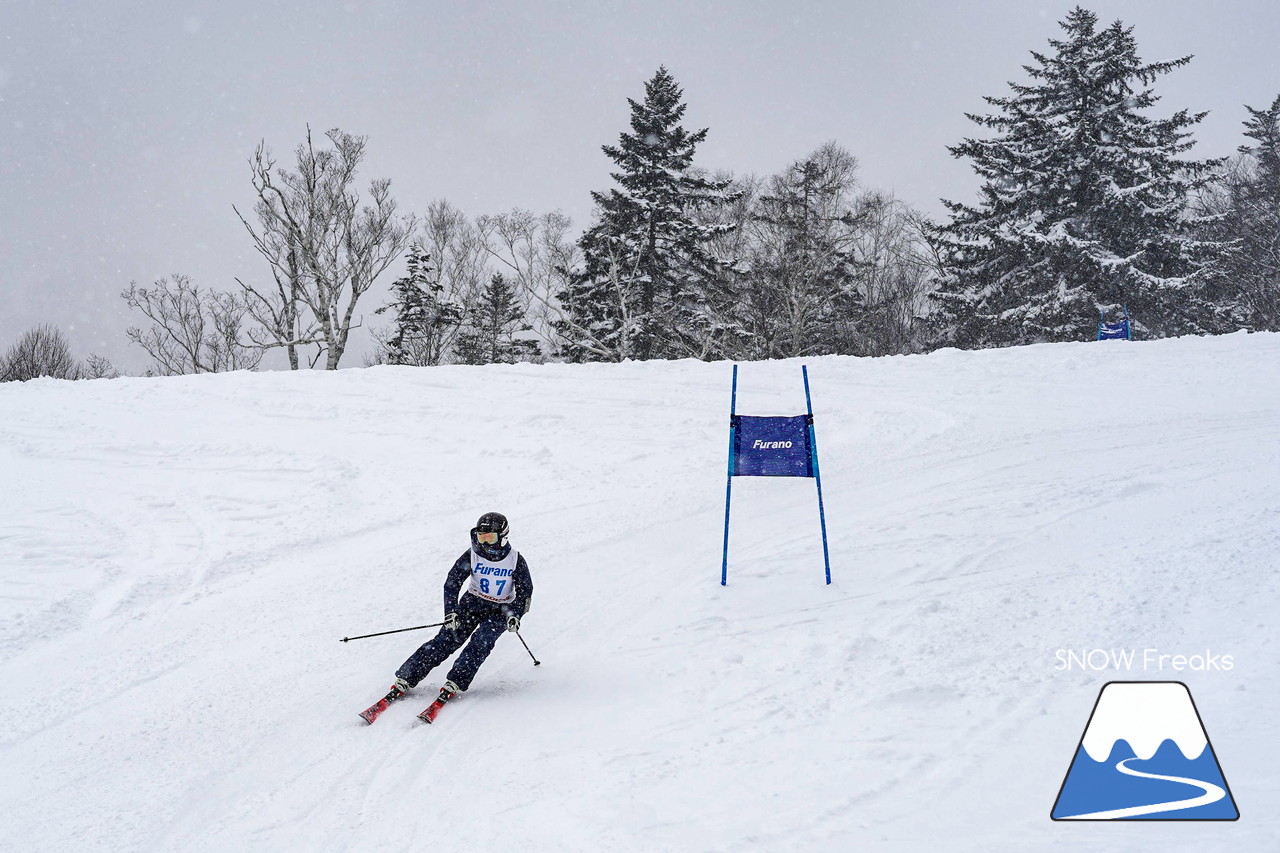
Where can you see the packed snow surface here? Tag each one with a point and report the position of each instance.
(180, 557)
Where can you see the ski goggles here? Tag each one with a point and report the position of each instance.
(487, 537)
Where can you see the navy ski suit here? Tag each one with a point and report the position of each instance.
(482, 621)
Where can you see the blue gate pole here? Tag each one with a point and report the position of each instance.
(728, 489)
(1128, 327)
(813, 448)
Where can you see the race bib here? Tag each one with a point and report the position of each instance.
(494, 581)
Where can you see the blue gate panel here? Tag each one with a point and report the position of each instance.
(1113, 331)
(771, 446)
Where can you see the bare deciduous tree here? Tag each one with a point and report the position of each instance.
(193, 331)
(98, 367)
(42, 351)
(457, 249)
(325, 248)
(280, 312)
(893, 273)
(537, 254)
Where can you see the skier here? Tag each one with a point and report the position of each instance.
(498, 595)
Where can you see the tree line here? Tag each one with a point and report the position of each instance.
(1089, 203)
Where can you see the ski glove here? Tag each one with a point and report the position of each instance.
(451, 621)
(513, 623)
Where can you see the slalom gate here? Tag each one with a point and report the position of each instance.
(1118, 331)
(772, 447)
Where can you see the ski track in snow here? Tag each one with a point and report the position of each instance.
(179, 558)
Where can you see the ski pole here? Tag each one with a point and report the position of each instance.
(536, 662)
(396, 631)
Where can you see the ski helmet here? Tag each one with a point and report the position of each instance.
(494, 524)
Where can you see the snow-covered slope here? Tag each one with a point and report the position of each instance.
(179, 559)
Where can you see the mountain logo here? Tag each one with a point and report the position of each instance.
(1145, 755)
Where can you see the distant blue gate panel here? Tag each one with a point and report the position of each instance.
(1113, 331)
(771, 446)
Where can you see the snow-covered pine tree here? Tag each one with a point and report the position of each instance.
(425, 323)
(1084, 204)
(493, 324)
(649, 287)
(1248, 204)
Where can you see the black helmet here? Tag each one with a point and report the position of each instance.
(491, 523)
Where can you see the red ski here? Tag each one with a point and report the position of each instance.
(373, 711)
(429, 714)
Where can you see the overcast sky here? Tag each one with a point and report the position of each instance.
(126, 128)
